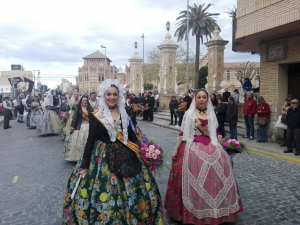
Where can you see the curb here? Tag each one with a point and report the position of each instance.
(250, 149)
(271, 154)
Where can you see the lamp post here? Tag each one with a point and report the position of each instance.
(105, 61)
(34, 80)
(143, 47)
(187, 49)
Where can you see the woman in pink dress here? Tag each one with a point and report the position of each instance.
(201, 187)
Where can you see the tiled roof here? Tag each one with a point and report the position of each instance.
(96, 55)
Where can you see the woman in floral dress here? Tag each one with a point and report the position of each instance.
(35, 113)
(116, 187)
(201, 187)
(76, 139)
(49, 122)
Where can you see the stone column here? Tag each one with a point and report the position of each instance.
(167, 85)
(136, 72)
(121, 76)
(215, 47)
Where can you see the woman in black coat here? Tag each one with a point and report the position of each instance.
(220, 110)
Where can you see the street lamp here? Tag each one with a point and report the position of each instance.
(143, 47)
(168, 26)
(34, 80)
(187, 49)
(105, 61)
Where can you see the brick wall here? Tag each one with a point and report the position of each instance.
(256, 16)
(269, 82)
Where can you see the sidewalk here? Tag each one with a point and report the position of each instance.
(271, 149)
(1, 120)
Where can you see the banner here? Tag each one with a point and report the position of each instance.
(14, 81)
(30, 86)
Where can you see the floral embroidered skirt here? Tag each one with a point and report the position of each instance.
(75, 143)
(103, 198)
(33, 118)
(174, 202)
(49, 123)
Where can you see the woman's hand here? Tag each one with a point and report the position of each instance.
(82, 173)
(220, 139)
(174, 155)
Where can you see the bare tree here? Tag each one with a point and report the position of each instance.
(246, 70)
(151, 68)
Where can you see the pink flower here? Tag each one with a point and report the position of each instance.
(66, 212)
(154, 156)
(99, 160)
(156, 146)
(157, 152)
(153, 167)
(147, 149)
(144, 146)
(225, 144)
(229, 140)
(148, 155)
(238, 146)
(151, 150)
(151, 147)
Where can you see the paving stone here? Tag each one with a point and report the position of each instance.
(269, 187)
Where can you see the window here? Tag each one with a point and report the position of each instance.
(99, 77)
(87, 77)
(228, 74)
(257, 72)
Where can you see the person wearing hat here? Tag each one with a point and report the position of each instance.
(293, 128)
(284, 109)
(263, 114)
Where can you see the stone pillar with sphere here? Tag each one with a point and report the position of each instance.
(136, 72)
(167, 85)
(215, 47)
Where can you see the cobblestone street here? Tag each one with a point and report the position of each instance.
(34, 176)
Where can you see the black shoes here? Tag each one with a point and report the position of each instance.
(288, 151)
(170, 123)
(245, 136)
(296, 153)
(260, 141)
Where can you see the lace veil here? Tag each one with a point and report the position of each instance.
(48, 100)
(188, 127)
(105, 112)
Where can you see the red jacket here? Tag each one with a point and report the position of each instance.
(263, 110)
(250, 107)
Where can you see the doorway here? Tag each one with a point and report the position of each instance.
(294, 80)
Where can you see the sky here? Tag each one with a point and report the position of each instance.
(54, 35)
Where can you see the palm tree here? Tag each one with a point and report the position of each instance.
(201, 23)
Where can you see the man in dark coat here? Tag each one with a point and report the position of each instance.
(188, 100)
(293, 128)
(151, 104)
(145, 106)
(221, 115)
(232, 117)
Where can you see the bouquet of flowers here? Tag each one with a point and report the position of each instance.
(233, 147)
(63, 116)
(152, 155)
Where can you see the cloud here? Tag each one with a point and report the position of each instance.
(53, 36)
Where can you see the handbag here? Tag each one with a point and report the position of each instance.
(176, 112)
(284, 118)
(135, 107)
(261, 121)
(279, 124)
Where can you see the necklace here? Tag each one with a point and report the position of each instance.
(202, 111)
(112, 108)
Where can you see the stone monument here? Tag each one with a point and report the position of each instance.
(167, 85)
(215, 47)
(136, 72)
(121, 76)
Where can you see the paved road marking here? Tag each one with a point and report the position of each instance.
(251, 175)
(15, 180)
